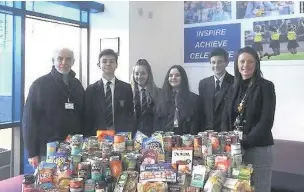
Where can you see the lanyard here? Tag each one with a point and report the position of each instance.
(61, 88)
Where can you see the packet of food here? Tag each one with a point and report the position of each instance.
(61, 158)
(138, 139)
(215, 181)
(63, 175)
(51, 148)
(132, 181)
(128, 135)
(101, 134)
(155, 143)
(152, 187)
(198, 176)
(46, 175)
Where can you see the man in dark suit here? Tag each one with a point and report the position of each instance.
(109, 101)
(213, 89)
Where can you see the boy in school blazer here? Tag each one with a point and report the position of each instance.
(109, 101)
(213, 90)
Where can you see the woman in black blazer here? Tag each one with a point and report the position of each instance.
(145, 93)
(250, 108)
(177, 108)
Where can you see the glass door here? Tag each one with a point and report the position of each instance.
(42, 38)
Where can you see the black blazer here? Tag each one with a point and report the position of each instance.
(188, 119)
(94, 107)
(259, 113)
(45, 118)
(211, 107)
(145, 122)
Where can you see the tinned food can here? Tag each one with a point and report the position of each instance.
(169, 133)
(76, 185)
(96, 169)
(177, 141)
(203, 134)
(222, 141)
(84, 170)
(187, 140)
(119, 144)
(89, 185)
(168, 143)
(130, 145)
(197, 146)
(215, 142)
(210, 161)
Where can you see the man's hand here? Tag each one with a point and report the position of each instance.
(34, 161)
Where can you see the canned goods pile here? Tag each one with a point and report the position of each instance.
(112, 161)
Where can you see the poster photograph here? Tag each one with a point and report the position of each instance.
(206, 11)
(256, 9)
(281, 39)
(200, 41)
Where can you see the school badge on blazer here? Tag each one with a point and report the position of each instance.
(122, 103)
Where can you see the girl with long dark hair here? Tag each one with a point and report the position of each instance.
(177, 107)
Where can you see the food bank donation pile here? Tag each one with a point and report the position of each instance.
(208, 162)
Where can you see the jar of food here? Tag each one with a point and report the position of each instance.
(116, 166)
(28, 183)
(89, 185)
(76, 185)
(76, 144)
(119, 144)
(92, 144)
(101, 186)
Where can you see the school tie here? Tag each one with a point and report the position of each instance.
(170, 121)
(109, 107)
(144, 103)
(218, 87)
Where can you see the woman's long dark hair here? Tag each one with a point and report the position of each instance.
(257, 73)
(166, 92)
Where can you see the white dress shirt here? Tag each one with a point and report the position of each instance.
(112, 86)
(220, 79)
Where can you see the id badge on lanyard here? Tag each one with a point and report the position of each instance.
(69, 105)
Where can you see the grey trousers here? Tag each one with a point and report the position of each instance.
(262, 159)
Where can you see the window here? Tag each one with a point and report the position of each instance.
(53, 8)
(6, 67)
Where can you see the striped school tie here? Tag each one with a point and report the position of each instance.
(144, 102)
(109, 107)
(170, 120)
